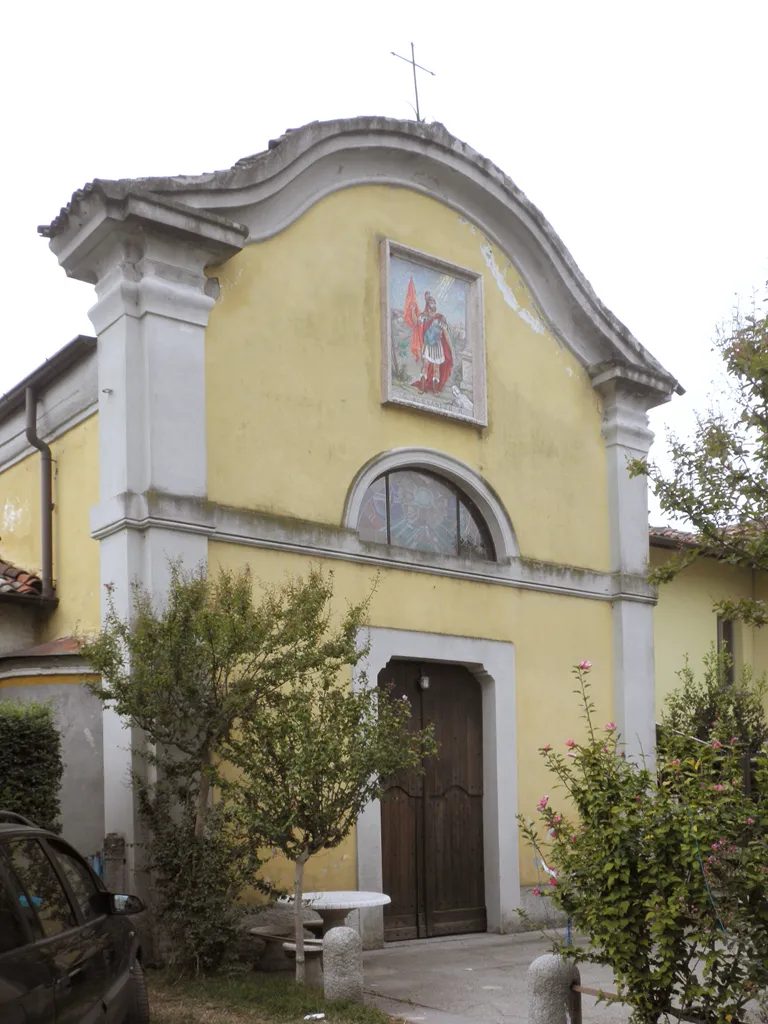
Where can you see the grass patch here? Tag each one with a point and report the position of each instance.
(252, 998)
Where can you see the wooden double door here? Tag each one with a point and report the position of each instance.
(432, 823)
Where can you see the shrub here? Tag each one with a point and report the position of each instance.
(30, 762)
(191, 674)
(664, 871)
(700, 707)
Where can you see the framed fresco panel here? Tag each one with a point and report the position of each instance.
(433, 346)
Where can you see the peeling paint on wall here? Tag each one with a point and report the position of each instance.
(13, 515)
(508, 294)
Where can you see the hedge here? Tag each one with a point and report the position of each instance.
(30, 762)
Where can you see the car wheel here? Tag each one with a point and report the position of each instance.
(138, 999)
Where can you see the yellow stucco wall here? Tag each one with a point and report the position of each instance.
(549, 632)
(293, 379)
(48, 680)
(75, 554)
(685, 624)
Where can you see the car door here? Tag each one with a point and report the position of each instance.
(111, 935)
(74, 955)
(26, 981)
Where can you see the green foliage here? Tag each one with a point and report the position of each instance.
(30, 762)
(719, 477)
(191, 674)
(312, 761)
(664, 871)
(702, 708)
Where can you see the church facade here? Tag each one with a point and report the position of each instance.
(365, 348)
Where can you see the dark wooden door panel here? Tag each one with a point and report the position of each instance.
(400, 815)
(432, 823)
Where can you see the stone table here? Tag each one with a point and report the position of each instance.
(335, 906)
(342, 948)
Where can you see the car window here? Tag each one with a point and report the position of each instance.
(11, 932)
(41, 885)
(79, 878)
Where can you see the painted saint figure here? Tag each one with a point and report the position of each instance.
(429, 341)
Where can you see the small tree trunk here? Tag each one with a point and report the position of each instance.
(298, 917)
(202, 796)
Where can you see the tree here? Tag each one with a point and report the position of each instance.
(315, 759)
(719, 478)
(665, 871)
(189, 673)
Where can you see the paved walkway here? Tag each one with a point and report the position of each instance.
(468, 979)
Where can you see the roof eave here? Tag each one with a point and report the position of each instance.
(72, 353)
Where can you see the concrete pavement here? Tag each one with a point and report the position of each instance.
(468, 979)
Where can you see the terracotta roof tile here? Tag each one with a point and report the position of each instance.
(14, 580)
(668, 537)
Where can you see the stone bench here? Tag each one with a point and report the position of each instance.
(274, 956)
(313, 960)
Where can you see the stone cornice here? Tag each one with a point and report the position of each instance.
(106, 210)
(655, 388)
(270, 190)
(255, 529)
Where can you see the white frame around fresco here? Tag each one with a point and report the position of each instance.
(390, 393)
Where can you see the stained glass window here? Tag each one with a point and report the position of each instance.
(419, 511)
(372, 524)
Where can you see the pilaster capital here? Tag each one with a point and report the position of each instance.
(628, 393)
(144, 253)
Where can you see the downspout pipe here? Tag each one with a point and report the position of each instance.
(46, 492)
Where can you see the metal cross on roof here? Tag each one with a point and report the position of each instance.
(414, 65)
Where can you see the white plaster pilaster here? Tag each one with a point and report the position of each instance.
(627, 436)
(147, 260)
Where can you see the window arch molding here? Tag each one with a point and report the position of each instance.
(462, 476)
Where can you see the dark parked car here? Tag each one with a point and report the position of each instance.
(69, 953)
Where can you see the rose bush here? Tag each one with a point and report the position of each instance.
(665, 871)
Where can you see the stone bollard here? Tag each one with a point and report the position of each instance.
(343, 964)
(551, 999)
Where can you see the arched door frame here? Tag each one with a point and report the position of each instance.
(492, 663)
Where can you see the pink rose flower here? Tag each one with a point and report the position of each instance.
(610, 727)
(553, 881)
(547, 748)
(543, 802)
(750, 821)
(570, 743)
(718, 788)
(585, 666)
(716, 745)
(537, 892)
(557, 819)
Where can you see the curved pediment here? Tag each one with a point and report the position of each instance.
(268, 191)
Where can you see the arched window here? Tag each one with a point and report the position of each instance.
(421, 511)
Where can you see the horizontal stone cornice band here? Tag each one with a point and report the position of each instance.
(241, 526)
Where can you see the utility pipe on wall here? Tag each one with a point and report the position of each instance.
(46, 492)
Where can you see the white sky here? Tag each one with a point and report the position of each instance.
(639, 129)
